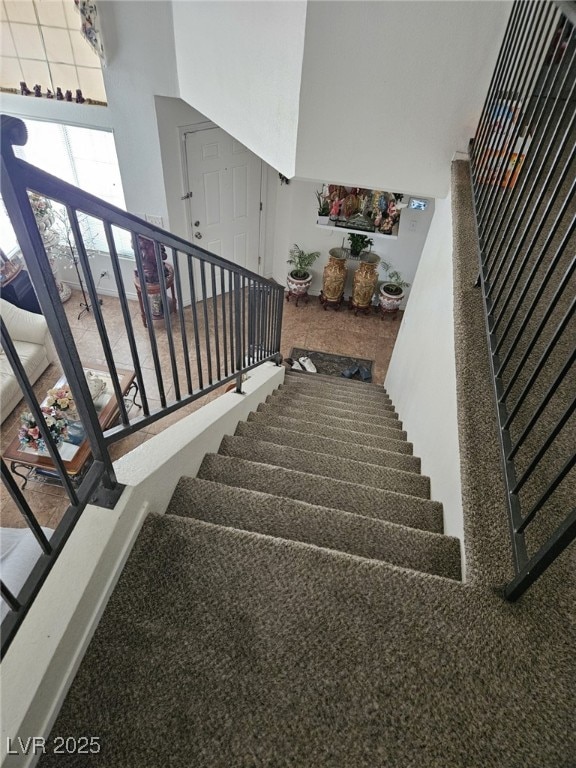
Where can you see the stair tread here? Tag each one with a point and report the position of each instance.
(326, 418)
(350, 413)
(411, 511)
(340, 381)
(315, 390)
(324, 399)
(334, 529)
(382, 438)
(352, 471)
(328, 445)
(334, 382)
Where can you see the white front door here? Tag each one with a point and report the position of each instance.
(225, 181)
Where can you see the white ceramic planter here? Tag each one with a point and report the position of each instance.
(297, 286)
(389, 302)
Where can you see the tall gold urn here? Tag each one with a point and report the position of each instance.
(365, 281)
(334, 279)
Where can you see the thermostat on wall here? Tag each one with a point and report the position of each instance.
(418, 204)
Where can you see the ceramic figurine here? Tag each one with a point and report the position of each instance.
(37, 91)
(59, 94)
(24, 90)
(49, 94)
(79, 98)
(68, 96)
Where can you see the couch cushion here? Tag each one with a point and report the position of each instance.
(34, 360)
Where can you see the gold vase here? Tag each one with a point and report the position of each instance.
(365, 281)
(334, 278)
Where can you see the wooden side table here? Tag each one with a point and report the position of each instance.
(153, 289)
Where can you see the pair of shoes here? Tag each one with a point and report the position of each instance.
(365, 374)
(307, 365)
(349, 372)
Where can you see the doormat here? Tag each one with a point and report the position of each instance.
(331, 365)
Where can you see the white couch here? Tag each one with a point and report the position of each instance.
(33, 343)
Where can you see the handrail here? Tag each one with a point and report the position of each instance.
(523, 163)
(207, 321)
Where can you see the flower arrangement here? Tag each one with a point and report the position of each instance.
(61, 398)
(30, 435)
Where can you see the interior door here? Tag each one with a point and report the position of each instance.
(224, 181)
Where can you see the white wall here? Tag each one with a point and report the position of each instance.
(421, 379)
(390, 90)
(139, 38)
(240, 64)
(295, 222)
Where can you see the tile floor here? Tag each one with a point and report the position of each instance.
(307, 326)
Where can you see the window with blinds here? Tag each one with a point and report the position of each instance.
(85, 157)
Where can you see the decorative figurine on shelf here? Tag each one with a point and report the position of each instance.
(79, 98)
(38, 91)
(24, 90)
(68, 96)
(49, 94)
(59, 94)
(335, 210)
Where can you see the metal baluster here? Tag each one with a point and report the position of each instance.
(167, 318)
(193, 304)
(224, 328)
(149, 319)
(25, 510)
(127, 319)
(206, 324)
(215, 315)
(182, 320)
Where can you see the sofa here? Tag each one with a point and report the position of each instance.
(29, 333)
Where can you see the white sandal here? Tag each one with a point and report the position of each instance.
(308, 365)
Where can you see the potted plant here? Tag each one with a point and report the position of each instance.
(300, 278)
(359, 243)
(392, 290)
(323, 207)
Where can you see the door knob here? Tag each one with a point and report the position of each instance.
(196, 223)
(198, 235)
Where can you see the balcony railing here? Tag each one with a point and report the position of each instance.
(523, 178)
(218, 321)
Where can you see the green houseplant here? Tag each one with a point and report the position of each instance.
(301, 262)
(392, 289)
(323, 203)
(300, 278)
(359, 243)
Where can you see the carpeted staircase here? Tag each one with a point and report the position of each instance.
(360, 493)
(299, 607)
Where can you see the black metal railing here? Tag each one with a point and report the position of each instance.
(523, 179)
(200, 322)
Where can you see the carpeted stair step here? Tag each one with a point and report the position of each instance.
(372, 409)
(335, 467)
(341, 381)
(326, 419)
(335, 382)
(319, 444)
(332, 528)
(399, 508)
(340, 410)
(387, 439)
(310, 386)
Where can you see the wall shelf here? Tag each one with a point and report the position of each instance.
(345, 231)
